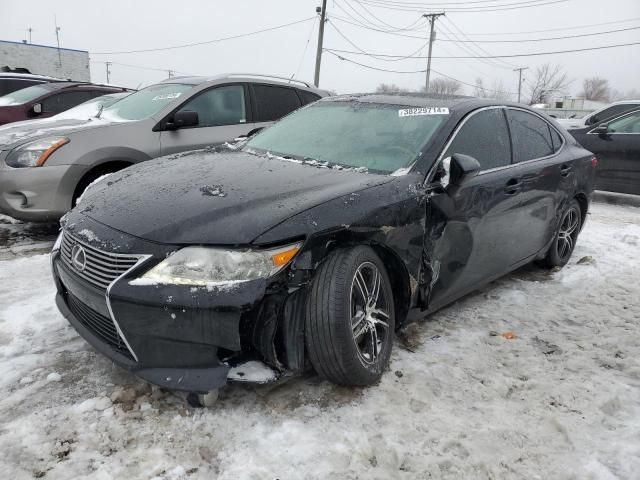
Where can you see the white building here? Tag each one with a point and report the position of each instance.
(44, 60)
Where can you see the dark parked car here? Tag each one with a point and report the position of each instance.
(48, 99)
(317, 239)
(10, 82)
(616, 143)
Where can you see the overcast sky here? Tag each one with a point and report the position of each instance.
(118, 25)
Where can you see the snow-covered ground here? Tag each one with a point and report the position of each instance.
(561, 400)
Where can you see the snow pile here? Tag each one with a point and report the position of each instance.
(560, 399)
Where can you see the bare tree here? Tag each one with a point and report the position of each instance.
(497, 90)
(479, 90)
(617, 95)
(390, 88)
(547, 80)
(445, 86)
(596, 88)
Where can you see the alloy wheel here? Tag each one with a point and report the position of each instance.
(568, 233)
(369, 313)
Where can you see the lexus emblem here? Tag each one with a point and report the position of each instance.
(78, 257)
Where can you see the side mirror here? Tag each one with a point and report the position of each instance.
(602, 129)
(462, 168)
(37, 108)
(182, 120)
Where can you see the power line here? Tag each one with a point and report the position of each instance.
(398, 6)
(304, 52)
(535, 54)
(370, 67)
(478, 47)
(377, 57)
(576, 27)
(412, 26)
(544, 39)
(490, 8)
(155, 69)
(207, 42)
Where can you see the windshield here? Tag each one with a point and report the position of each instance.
(145, 103)
(90, 108)
(380, 138)
(24, 95)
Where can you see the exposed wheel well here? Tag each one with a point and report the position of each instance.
(584, 205)
(399, 278)
(95, 172)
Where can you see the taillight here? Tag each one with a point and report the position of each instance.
(594, 162)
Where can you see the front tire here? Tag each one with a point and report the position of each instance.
(565, 239)
(349, 318)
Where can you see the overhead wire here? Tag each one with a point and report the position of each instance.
(340, 57)
(304, 52)
(480, 9)
(533, 54)
(206, 42)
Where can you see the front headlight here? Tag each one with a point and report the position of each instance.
(206, 266)
(34, 154)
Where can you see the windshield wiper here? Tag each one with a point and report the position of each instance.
(100, 111)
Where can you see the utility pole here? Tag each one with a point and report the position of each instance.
(519, 70)
(55, 20)
(108, 64)
(323, 17)
(432, 20)
(170, 72)
(30, 30)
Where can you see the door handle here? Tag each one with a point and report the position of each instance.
(513, 186)
(565, 170)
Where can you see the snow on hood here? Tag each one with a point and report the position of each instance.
(11, 134)
(215, 198)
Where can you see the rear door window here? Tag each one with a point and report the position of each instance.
(60, 102)
(485, 137)
(530, 134)
(627, 124)
(273, 102)
(307, 97)
(219, 106)
(609, 112)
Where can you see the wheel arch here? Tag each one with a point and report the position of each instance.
(394, 265)
(107, 166)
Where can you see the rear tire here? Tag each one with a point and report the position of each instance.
(349, 318)
(565, 238)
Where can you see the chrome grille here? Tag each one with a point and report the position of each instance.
(101, 268)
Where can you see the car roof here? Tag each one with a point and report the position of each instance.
(452, 102)
(244, 77)
(29, 76)
(59, 85)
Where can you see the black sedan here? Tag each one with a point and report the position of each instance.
(616, 143)
(317, 239)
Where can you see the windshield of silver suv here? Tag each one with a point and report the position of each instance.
(145, 103)
(20, 97)
(377, 137)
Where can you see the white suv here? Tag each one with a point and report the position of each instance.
(611, 110)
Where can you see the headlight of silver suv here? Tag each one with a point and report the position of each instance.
(207, 266)
(34, 154)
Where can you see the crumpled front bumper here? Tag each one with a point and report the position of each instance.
(177, 337)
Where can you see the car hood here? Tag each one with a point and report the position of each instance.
(223, 198)
(13, 135)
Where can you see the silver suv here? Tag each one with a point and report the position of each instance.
(44, 170)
